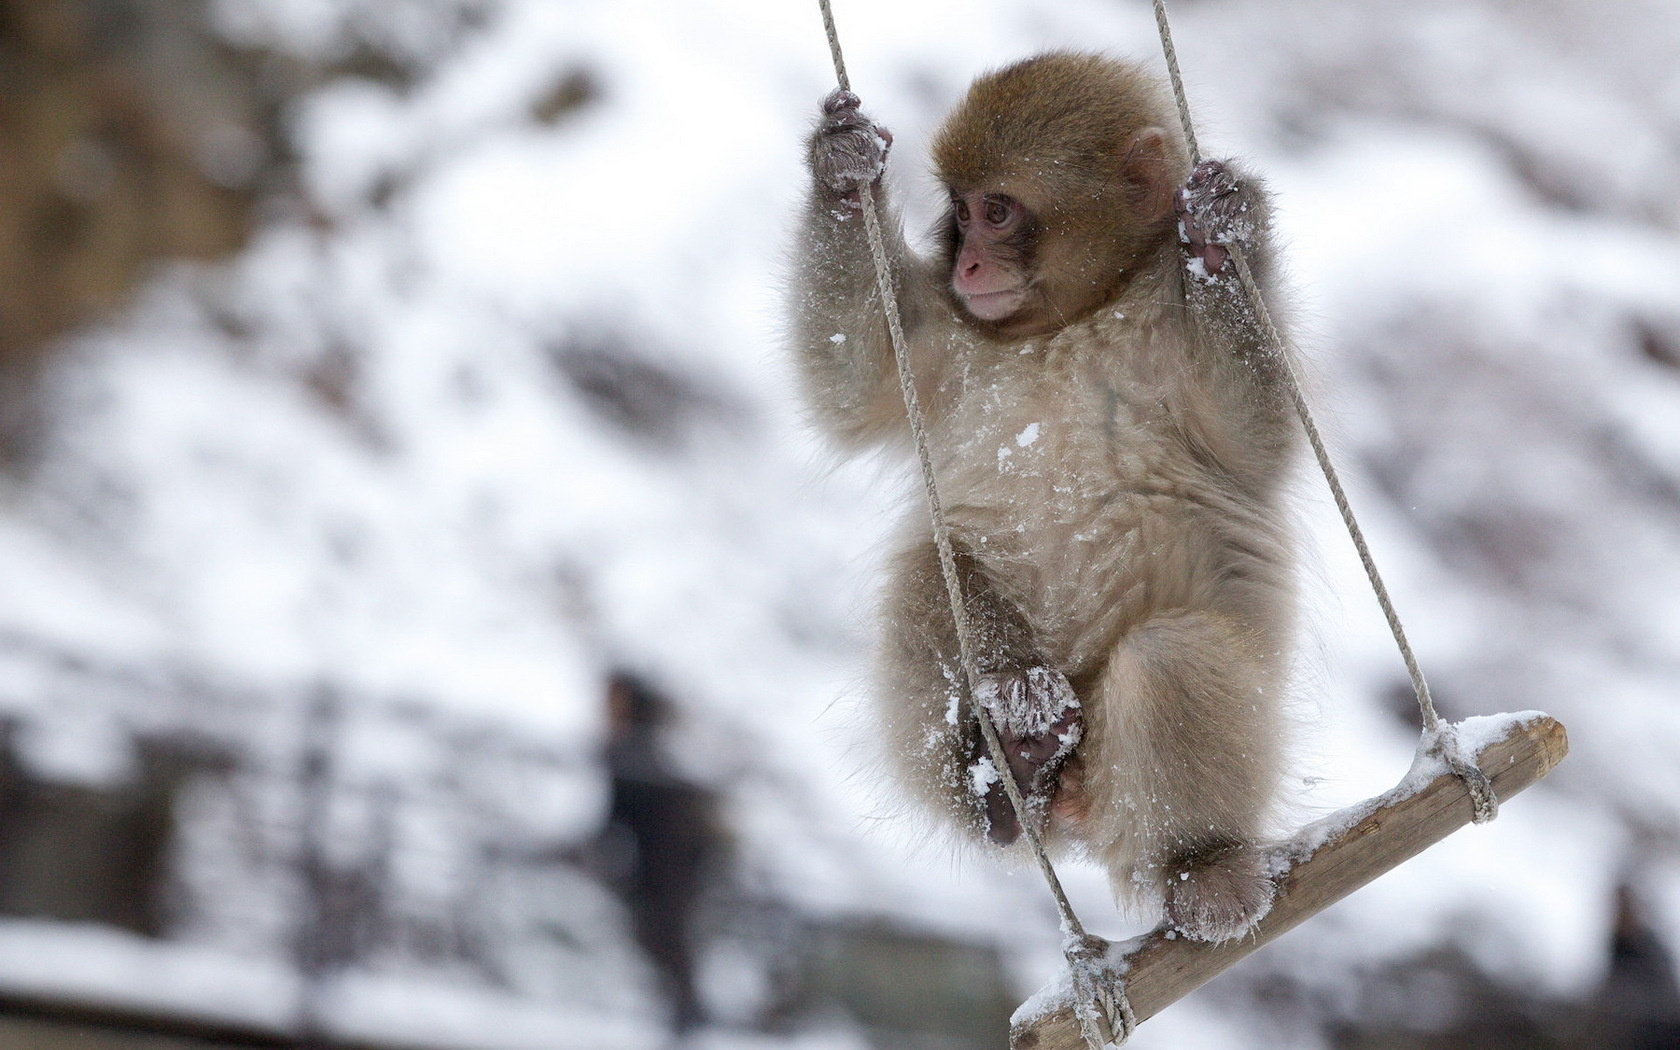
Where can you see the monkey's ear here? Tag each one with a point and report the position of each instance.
(1146, 168)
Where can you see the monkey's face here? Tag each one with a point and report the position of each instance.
(992, 236)
(1059, 188)
(1021, 269)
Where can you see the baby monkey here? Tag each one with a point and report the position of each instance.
(1111, 441)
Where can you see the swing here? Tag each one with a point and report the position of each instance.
(1458, 775)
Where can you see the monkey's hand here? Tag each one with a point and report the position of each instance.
(1038, 722)
(848, 149)
(1214, 215)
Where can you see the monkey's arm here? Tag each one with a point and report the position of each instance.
(838, 325)
(1220, 208)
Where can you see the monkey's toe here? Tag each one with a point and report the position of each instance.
(1030, 702)
(1070, 802)
(1219, 895)
(1001, 826)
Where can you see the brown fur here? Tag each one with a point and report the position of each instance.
(1111, 476)
(1065, 116)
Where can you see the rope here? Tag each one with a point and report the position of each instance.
(845, 82)
(1171, 53)
(1481, 790)
(1078, 946)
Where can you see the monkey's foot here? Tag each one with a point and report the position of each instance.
(1218, 895)
(848, 149)
(1038, 722)
(1213, 214)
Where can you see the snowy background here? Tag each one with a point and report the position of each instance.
(493, 403)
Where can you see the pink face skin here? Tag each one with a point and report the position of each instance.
(986, 277)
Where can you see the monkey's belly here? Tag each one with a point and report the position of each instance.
(1083, 571)
(1079, 496)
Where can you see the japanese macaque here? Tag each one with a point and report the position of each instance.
(1111, 441)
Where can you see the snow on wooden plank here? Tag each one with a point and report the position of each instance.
(1324, 863)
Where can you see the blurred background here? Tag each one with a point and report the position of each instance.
(426, 622)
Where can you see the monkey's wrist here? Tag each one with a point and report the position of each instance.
(841, 205)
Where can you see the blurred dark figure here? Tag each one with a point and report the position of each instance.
(1639, 1002)
(662, 841)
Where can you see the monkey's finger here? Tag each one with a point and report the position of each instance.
(1184, 204)
(1204, 173)
(848, 123)
(840, 99)
(871, 137)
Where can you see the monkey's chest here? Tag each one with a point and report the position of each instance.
(1072, 497)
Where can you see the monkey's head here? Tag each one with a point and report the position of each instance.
(1061, 179)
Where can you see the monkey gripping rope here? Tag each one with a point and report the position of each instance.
(1105, 1015)
(1442, 743)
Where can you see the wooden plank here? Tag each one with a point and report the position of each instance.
(1325, 863)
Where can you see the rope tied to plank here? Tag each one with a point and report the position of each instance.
(1105, 1015)
(1438, 737)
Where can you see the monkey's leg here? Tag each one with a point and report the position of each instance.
(1180, 764)
(942, 753)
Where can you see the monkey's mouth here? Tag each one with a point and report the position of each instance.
(994, 306)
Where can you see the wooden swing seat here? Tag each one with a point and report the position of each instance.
(1322, 864)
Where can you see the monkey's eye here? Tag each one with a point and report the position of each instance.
(999, 210)
(962, 210)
